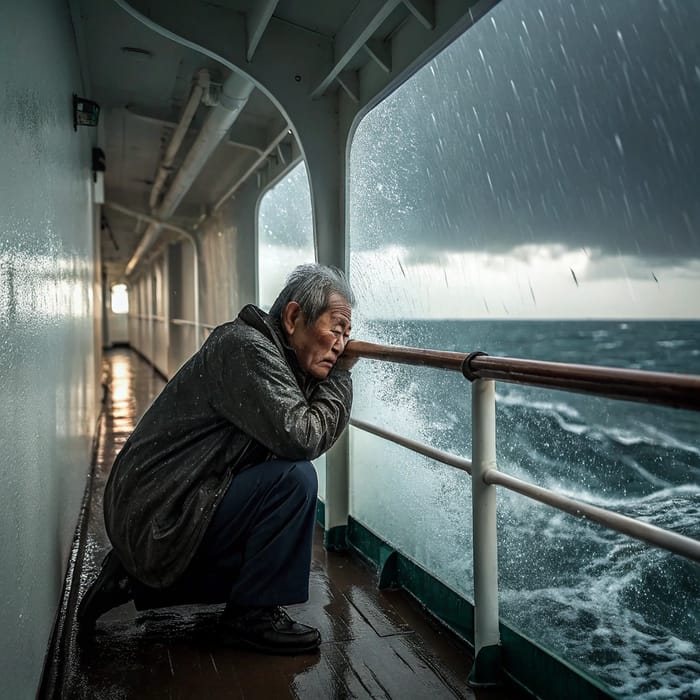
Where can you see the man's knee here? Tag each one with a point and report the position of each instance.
(302, 479)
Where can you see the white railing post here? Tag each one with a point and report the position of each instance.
(337, 504)
(487, 656)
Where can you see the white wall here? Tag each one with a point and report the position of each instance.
(227, 259)
(48, 376)
(118, 328)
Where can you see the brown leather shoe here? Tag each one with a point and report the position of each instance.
(269, 630)
(111, 588)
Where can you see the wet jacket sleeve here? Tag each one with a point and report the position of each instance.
(252, 386)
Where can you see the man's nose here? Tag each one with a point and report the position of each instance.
(339, 345)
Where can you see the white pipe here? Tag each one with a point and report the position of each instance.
(173, 125)
(234, 95)
(485, 544)
(176, 139)
(665, 539)
(414, 445)
(148, 218)
(258, 162)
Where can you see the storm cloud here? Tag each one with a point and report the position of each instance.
(556, 123)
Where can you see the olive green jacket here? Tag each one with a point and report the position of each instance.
(240, 400)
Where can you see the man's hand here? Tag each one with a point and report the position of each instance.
(346, 361)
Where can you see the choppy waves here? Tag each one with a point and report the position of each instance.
(570, 420)
(617, 606)
(622, 610)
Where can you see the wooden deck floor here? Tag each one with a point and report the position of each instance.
(375, 644)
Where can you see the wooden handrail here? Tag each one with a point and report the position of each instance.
(439, 359)
(660, 388)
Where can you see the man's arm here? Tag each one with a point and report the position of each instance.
(252, 385)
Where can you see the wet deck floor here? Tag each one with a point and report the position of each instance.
(375, 644)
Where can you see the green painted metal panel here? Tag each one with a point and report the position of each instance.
(440, 600)
(529, 665)
(487, 667)
(543, 673)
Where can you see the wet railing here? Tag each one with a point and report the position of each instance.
(662, 388)
(674, 390)
(202, 330)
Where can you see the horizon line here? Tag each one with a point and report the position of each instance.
(559, 319)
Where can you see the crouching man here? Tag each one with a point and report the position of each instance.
(212, 499)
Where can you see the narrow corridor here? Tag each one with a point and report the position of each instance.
(375, 644)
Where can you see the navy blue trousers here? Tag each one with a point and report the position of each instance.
(257, 549)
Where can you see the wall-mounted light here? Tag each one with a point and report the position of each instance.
(85, 112)
(98, 161)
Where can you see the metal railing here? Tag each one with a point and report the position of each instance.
(674, 390)
(185, 322)
(202, 330)
(662, 388)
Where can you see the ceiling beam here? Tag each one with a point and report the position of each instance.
(423, 11)
(349, 81)
(412, 46)
(256, 22)
(353, 35)
(380, 53)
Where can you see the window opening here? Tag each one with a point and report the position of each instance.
(285, 232)
(120, 299)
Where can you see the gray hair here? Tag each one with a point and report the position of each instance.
(311, 286)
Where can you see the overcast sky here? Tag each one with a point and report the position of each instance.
(546, 164)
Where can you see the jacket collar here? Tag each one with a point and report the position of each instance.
(271, 328)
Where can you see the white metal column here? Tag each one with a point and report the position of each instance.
(486, 667)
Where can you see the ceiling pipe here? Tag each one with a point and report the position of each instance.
(173, 125)
(258, 162)
(199, 89)
(234, 95)
(148, 218)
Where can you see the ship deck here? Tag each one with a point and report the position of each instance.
(376, 644)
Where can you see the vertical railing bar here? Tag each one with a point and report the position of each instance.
(487, 651)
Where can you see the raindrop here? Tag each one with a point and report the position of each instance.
(618, 143)
(622, 41)
(488, 177)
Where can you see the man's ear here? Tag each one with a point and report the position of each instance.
(292, 316)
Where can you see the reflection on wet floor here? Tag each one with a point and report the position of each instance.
(375, 644)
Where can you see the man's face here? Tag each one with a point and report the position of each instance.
(318, 346)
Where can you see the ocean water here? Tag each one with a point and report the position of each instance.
(623, 611)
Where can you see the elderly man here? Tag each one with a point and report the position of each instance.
(212, 499)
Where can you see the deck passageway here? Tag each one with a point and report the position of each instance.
(376, 644)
